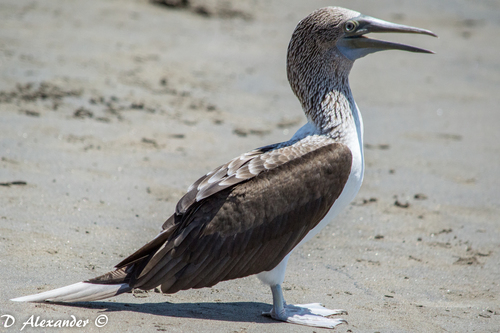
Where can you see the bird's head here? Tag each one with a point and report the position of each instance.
(325, 44)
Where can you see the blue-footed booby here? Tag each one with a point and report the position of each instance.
(247, 216)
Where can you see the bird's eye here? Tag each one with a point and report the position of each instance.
(349, 26)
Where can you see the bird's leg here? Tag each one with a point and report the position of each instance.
(313, 314)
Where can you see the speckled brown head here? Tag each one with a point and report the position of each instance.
(324, 46)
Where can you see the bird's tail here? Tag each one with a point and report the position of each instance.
(126, 276)
(78, 292)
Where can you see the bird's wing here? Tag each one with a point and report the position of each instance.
(242, 218)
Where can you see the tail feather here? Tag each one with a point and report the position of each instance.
(78, 292)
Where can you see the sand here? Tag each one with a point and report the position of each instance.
(109, 110)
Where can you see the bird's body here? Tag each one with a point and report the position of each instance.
(246, 216)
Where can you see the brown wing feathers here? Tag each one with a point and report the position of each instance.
(241, 229)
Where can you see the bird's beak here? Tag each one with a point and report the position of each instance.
(354, 45)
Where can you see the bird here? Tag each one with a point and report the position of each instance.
(246, 216)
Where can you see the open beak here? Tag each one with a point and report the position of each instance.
(354, 45)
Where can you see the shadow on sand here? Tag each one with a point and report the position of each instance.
(233, 311)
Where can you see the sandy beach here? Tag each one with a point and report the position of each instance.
(109, 110)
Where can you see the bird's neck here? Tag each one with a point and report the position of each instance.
(331, 109)
(320, 80)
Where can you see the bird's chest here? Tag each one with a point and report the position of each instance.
(354, 140)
